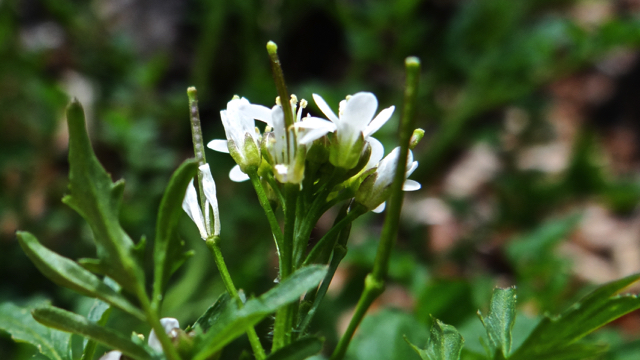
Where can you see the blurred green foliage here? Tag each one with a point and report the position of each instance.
(130, 65)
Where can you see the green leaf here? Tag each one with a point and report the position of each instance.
(380, 336)
(298, 350)
(65, 272)
(445, 343)
(18, 322)
(67, 321)
(210, 316)
(168, 255)
(97, 199)
(554, 337)
(499, 322)
(231, 321)
(98, 313)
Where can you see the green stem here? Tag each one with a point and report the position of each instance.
(372, 289)
(196, 137)
(284, 316)
(266, 206)
(332, 234)
(254, 340)
(374, 282)
(274, 185)
(170, 351)
(339, 252)
(390, 227)
(278, 77)
(319, 206)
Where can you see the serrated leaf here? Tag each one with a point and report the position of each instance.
(168, 254)
(66, 272)
(69, 322)
(445, 343)
(298, 350)
(233, 321)
(22, 327)
(97, 199)
(553, 335)
(499, 322)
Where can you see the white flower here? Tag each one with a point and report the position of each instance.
(375, 188)
(191, 205)
(287, 147)
(354, 125)
(170, 326)
(111, 355)
(243, 138)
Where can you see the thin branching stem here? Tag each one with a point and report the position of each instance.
(254, 340)
(268, 210)
(374, 282)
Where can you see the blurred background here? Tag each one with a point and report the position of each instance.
(530, 166)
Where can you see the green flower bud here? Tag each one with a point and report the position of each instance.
(370, 194)
(266, 144)
(252, 157)
(417, 135)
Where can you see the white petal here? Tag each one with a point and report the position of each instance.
(258, 112)
(322, 105)
(168, 324)
(313, 128)
(411, 185)
(209, 188)
(379, 120)
(218, 145)
(387, 168)
(311, 122)
(380, 208)
(359, 110)
(411, 168)
(237, 175)
(192, 208)
(111, 355)
(377, 152)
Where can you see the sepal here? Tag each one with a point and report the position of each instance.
(346, 155)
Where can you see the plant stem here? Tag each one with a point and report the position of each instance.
(170, 351)
(324, 242)
(339, 252)
(278, 77)
(212, 243)
(274, 185)
(284, 316)
(266, 206)
(374, 282)
(318, 206)
(198, 145)
(254, 340)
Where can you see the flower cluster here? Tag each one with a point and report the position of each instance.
(281, 150)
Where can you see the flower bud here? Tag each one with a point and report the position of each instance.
(370, 194)
(252, 157)
(417, 135)
(267, 143)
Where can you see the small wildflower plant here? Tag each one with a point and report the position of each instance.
(300, 166)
